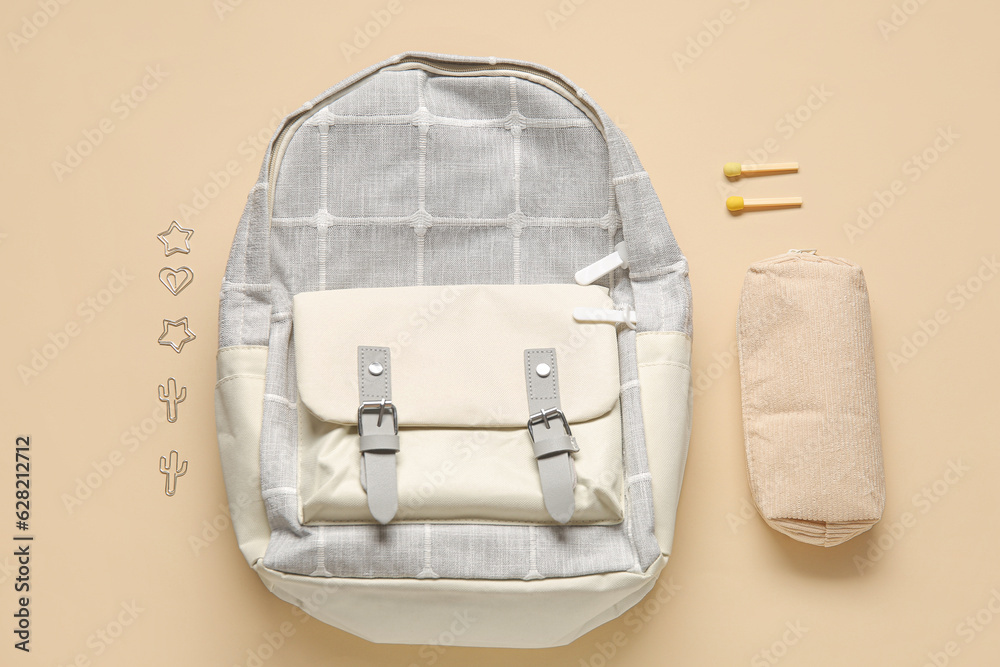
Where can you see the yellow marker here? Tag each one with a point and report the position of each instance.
(736, 204)
(735, 169)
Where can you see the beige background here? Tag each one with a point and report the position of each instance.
(886, 95)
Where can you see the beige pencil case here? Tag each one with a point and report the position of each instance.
(810, 409)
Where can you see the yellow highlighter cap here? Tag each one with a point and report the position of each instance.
(732, 169)
(734, 203)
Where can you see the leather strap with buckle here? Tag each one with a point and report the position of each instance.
(378, 435)
(551, 436)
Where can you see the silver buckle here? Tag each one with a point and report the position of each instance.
(543, 418)
(381, 406)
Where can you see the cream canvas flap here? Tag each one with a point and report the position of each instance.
(456, 361)
(457, 351)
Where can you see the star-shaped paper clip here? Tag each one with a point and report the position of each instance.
(166, 339)
(169, 247)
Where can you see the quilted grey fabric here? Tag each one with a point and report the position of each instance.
(411, 177)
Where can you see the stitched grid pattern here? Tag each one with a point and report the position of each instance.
(413, 178)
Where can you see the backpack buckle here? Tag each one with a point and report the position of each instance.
(543, 416)
(382, 406)
(549, 444)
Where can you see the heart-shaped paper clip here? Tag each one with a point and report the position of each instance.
(172, 278)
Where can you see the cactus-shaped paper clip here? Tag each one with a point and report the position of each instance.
(170, 396)
(172, 471)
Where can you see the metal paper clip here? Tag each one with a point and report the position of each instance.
(165, 336)
(169, 247)
(172, 470)
(169, 278)
(172, 398)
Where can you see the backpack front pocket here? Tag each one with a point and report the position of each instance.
(444, 381)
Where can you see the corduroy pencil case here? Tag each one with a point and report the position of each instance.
(810, 408)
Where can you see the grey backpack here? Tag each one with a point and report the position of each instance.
(454, 394)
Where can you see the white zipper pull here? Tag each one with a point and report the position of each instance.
(602, 267)
(605, 316)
